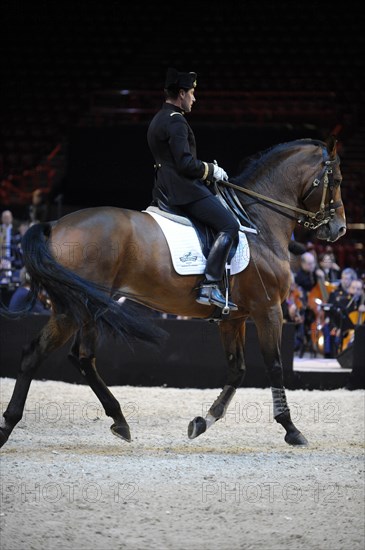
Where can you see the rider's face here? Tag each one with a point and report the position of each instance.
(187, 99)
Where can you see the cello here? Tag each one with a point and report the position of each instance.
(295, 304)
(316, 297)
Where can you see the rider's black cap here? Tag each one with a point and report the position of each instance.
(176, 80)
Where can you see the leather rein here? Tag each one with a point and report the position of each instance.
(310, 220)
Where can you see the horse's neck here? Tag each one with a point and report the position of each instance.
(275, 226)
(275, 177)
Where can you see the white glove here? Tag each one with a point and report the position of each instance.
(219, 173)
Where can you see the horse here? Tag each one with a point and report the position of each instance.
(87, 259)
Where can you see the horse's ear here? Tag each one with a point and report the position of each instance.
(331, 146)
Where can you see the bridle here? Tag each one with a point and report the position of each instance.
(309, 219)
(325, 177)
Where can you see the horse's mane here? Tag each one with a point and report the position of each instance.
(249, 165)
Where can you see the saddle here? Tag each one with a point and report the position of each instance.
(206, 235)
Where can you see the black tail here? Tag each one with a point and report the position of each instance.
(79, 299)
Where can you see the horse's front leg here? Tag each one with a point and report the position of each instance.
(233, 338)
(56, 333)
(82, 355)
(269, 329)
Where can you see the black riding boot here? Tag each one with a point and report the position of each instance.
(209, 292)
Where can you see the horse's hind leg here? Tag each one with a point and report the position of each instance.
(233, 338)
(56, 333)
(82, 355)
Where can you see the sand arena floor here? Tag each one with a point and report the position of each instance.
(68, 483)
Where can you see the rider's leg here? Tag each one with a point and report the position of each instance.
(210, 211)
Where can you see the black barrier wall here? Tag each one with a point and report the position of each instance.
(192, 357)
(354, 358)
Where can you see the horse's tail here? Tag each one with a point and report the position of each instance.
(76, 297)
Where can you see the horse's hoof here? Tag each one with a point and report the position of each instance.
(122, 431)
(196, 427)
(4, 436)
(296, 438)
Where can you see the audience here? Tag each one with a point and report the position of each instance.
(19, 299)
(38, 209)
(7, 235)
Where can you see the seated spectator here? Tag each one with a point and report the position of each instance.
(38, 209)
(19, 299)
(8, 232)
(18, 261)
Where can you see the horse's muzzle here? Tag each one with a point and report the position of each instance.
(331, 232)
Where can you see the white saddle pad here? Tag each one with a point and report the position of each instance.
(186, 253)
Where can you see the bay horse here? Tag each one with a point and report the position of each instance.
(87, 258)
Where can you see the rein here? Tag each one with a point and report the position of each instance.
(310, 217)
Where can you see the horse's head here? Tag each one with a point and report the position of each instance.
(322, 199)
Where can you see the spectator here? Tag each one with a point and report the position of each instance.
(38, 210)
(8, 238)
(19, 299)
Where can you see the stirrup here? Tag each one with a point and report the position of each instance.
(209, 294)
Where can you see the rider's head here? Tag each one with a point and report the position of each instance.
(179, 89)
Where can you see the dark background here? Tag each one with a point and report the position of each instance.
(57, 56)
(114, 164)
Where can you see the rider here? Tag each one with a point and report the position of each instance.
(182, 180)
